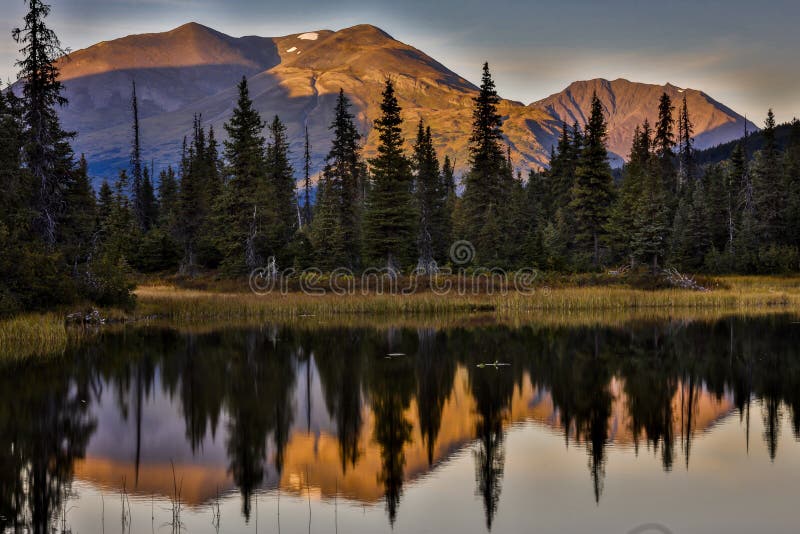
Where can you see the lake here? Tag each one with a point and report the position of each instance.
(649, 426)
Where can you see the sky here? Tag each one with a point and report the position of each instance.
(743, 53)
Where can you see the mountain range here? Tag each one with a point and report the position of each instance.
(194, 69)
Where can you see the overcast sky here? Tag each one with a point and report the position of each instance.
(742, 53)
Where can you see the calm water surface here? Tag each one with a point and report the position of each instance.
(652, 427)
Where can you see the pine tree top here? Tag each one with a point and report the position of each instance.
(664, 140)
(486, 121)
(390, 138)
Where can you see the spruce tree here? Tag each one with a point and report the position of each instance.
(650, 226)
(148, 203)
(47, 153)
(664, 144)
(239, 213)
(768, 187)
(563, 162)
(449, 184)
(327, 235)
(691, 239)
(78, 227)
(390, 216)
(137, 171)
(716, 186)
(432, 192)
(105, 202)
(522, 223)
(189, 213)
(593, 190)
(118, 230)
(337, 238)
(739, 194)
(168, 199)
(621, 224)
(209, 168)
(685, 145)
(283, 200)
(792, 181)
(485, 183)
(16, 191)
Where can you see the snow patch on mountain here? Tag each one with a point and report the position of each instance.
(292, 49)
(310, 36)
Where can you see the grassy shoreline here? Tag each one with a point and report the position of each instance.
(734, 294)
(169, 305)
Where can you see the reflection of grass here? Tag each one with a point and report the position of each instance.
(32, 335)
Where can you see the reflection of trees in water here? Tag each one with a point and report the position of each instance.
(260, 381)
(340, 365)
(435, 372)
(492, 390)
(579, 380)
(44, 427)
(251, 377)
(391, 386)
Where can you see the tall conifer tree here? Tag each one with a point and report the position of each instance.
(389, 219)
(283, 200)
(593, 190)
(239, 210)
(664, 143)
(768, 187)
(47, 153)
(432, 196)
(686, 171)
(337, 237)
(137, 172)
(485, 182)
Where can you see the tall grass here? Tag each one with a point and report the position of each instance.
(741, 295)
(166, 305)
(32, 335)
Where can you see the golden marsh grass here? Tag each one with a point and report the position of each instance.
(32, 335)
(735, 295)
(203, 309)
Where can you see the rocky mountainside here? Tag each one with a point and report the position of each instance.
(194, 70)
(627, 104)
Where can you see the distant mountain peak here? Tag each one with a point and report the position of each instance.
(194, 69)
(192, 27)
(628, 103)
(365, 29)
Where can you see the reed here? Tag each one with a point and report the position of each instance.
(30, 335)
(734, 295)
(210, 308)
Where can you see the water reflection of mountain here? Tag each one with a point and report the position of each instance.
(327, 408)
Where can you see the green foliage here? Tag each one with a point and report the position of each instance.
(593, 189)
(239, 218)
(768, 192)
(46, 152)
(79, 224)
(34, 277)
(664, 144)
(390, 215)
(109, 282)
(691, 238)
(650, 224)
(433, 193)
(623, 212)
(337, 237)
(282, 200)
(488, 183)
